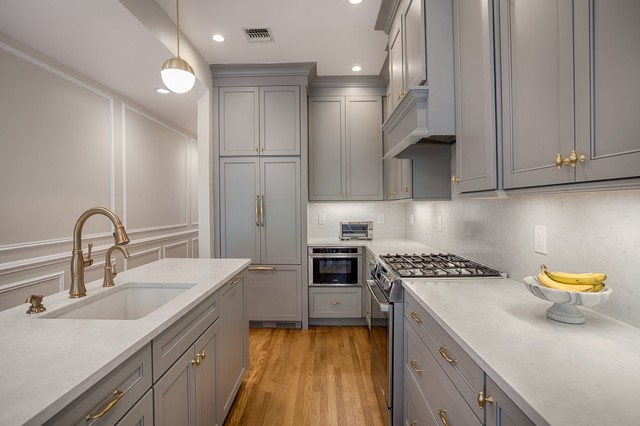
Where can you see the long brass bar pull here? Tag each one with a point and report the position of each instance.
(262, 210)
(117, 394)
(262, 268)
(257, 214)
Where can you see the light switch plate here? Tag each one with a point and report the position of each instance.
(322, 218)
(380, 218)
(439, 223)
(540, 239)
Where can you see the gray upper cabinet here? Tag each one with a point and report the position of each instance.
(476, 139)
(261, 209)
(259, 120)
(569, 91)
(345, 148)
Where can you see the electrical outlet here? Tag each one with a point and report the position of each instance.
(411, 219)
(439, 223)
(322, 218)
(540, 239)
(381, 218)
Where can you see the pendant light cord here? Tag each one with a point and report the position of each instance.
(178, 26)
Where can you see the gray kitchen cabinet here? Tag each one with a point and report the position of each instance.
(569, 91)
(399, 178)
(476, 136)
(140, 414)
(109, 400)
(260, 209)
(502, 411)
(274, 293)
(259, 120)
(396, 78)
(186, 393)
(345, 148)
(233, 344)
(335, 302)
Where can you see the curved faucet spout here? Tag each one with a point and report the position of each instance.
(78, 261)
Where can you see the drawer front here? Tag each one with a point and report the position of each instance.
(141, 414)
(175, 340)
(119, 390)
(335, 303)
(462, 370)
(416, 411)
(441, 396)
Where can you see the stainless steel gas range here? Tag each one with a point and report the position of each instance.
(387, 312)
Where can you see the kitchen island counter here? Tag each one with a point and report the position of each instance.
(558, 374)
(47, 363)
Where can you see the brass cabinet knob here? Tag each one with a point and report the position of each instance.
(573, 159)
(406, 189)
(455, 179)
(482, 399)
(559, 161)
(197, 361)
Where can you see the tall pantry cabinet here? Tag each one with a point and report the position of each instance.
(261, 182)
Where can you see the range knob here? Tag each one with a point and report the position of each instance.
(386, 283)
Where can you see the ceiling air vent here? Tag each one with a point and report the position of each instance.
(258, 35)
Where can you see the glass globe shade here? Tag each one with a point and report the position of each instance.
(177, 75)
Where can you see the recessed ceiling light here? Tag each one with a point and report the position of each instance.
(163, 91)
(356, 68)
(355, 1)
(217, 37)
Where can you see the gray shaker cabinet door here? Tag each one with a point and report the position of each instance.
(280, 120)
(415, 72)
(274, 293)
(536, 53)
(239, 208)
(326, 148)
(281, 211)
(607, 89)
(239, 121)
(476, 143)
(174, 394)
(364, 173)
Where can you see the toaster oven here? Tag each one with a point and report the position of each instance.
(356, 230)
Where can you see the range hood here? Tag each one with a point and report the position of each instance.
(417, 123)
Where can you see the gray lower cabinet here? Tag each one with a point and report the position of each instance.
(110, 399)
(345, 148)
(140, 414)
(233, 345)
(260, 209)
(335, 302)
(569, 91)
(502, 411)
(476, 127)
(259, 120)
(274, 293)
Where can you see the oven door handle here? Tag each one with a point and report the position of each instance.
(384, 307)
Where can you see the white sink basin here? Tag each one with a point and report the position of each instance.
(128, 301)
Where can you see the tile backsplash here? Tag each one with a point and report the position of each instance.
(586, 232)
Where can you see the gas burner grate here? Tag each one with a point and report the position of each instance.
(437, 265)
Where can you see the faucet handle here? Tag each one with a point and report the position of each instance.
(88, 261)
(113, 269)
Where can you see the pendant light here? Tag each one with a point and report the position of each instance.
(176, 73)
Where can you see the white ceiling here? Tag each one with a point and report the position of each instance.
(101, 39)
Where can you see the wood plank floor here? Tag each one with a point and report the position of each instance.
(319, 376)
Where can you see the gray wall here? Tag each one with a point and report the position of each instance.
(67, 144)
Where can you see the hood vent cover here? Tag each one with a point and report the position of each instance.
(258, 35)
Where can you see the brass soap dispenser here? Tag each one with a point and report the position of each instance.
(36, 304)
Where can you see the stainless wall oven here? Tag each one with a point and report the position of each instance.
(339, 266)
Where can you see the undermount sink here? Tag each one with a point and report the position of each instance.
(128, 301)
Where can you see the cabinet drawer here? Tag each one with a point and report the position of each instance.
(442, 398)
(461, 369)
(132, 378)
(172, 343)
(416, 411)
(335, 302)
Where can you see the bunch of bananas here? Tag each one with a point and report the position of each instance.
(590, 282)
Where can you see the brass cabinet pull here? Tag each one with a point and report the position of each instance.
(416, 318)
(443, 416)
(573, 159)
(406, 189)
(202, 355)
(559, 161)
(257, 207)
(414, 366)
(443, 354)
(236, 280)
(197, 361)
(336, 302)
(392, 193)
(455, 179)
(262, 268)
(262, 210)
(482, 399)
(413, 423)
(117, 396)
(400, 94)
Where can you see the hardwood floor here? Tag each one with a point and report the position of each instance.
(319, 376)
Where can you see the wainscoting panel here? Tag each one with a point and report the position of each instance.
(178, 250)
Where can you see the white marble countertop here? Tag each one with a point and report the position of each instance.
(558, 374)
(48, 363)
